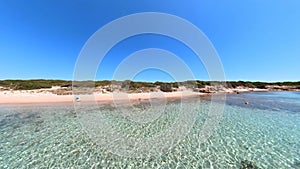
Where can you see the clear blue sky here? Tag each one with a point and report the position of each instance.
(256, 40)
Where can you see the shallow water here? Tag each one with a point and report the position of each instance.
(265, 133)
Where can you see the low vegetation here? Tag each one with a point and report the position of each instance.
(132, 85)
(33, 84)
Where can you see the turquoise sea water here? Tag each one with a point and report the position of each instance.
(263, 134)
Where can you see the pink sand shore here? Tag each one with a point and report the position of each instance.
(33, 97)
(44, 96)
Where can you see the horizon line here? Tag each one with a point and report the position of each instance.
(153, 81)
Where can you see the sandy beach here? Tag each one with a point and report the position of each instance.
(29, 97)
(44, 96)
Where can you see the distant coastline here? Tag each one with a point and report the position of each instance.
(56, 91)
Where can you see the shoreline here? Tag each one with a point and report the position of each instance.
(34, 97)
(60, 91)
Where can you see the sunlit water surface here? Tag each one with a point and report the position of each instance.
(263, 134)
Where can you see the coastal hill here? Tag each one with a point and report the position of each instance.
(63, 87)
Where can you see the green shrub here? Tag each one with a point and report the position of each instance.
(200, 84)
(166, 87)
